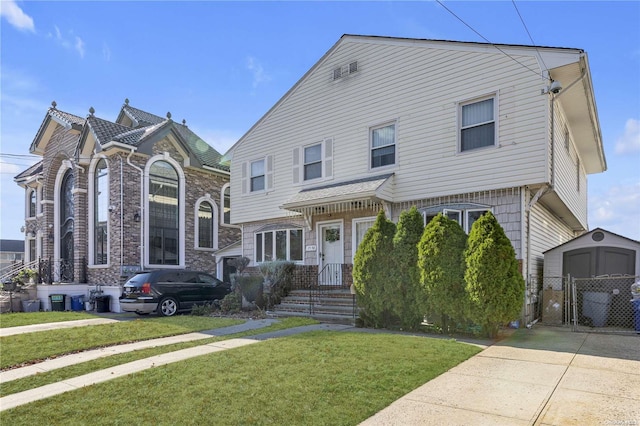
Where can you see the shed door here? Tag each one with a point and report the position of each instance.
(594, 261)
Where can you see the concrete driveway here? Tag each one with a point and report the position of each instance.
(542, 376)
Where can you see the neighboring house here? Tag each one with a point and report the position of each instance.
(11, 252)
(109, 198)
(389, 123)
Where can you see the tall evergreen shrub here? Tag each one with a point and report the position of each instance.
(372, 270)
(494, 285)
(441, 265)
(404, 288)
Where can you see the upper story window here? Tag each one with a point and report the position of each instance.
(281, 244)
(164, 214)
(206, 230)
(313, 162)
(33, 197)
(100, 213)
(225, 202)
(257, 175)
(477, 124)
(383, 146)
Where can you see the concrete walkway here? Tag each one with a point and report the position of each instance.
(542, 376)
(10, 331)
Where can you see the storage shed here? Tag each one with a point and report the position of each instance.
(596, 253)
(603, 266)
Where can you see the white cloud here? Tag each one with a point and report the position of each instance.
(630, 140)
(259, 76)
(106, 52)
(79, 46)
(15, 16)
(617, 210)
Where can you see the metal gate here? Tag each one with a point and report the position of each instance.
(603, 304)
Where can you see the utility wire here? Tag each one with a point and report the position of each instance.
(486, 39)
(529, 34)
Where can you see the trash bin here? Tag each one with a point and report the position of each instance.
(57, 302)
(77, 303)
(31, 305)
(636, 314)
(102, 303)
(595, 305)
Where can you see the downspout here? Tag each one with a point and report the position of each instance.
(541, 191)
(141, 207)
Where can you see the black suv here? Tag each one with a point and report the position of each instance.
(170, 291)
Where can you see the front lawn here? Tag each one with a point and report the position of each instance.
(17, 319)
(319, 378)
(28, 347)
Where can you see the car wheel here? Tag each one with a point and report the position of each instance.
(168, 307)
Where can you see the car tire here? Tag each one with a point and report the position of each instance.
(167, 307)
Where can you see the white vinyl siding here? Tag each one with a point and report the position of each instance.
(547, 232)
(427, 85)
(568, 177)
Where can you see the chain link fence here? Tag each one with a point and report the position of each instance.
(599, 304)
(604, 304)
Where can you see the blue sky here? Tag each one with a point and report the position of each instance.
(222, 65)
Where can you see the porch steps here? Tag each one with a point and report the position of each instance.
(335, 306)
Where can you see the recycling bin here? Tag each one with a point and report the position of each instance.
(636, 314)
(31, 305)
(77, 303)
(57, 302)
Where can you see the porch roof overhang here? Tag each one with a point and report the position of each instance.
(372, 192)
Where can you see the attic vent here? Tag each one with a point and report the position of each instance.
(345, 70)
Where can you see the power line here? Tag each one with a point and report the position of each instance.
(529, 34)
(486, 39)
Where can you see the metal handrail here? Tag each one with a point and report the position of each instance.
(14, 269)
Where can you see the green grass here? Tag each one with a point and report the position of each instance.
(28, 347)
(17, 319)
(75, 370)
(319, 378)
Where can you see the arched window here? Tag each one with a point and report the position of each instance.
(66, 227)
(206, 225)
(225, 202)
(33, 196)
(100, 213)
(164, 214)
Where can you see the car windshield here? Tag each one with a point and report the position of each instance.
(137, 280)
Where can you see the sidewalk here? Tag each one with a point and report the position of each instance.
(542, 376)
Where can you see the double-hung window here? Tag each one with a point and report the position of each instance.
(313, 162)
(477, 124)
(383, 146)
(281, 244)
(257, 176)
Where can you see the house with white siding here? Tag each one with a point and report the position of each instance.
(390, 123)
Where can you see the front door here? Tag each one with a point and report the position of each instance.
(331, 254)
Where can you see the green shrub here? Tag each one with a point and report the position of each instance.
(251, 288)
(404, 291)
(441, 265)
(372, 271)
(278, 275)
(204, 310)
(231, 303)
(493, 282)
